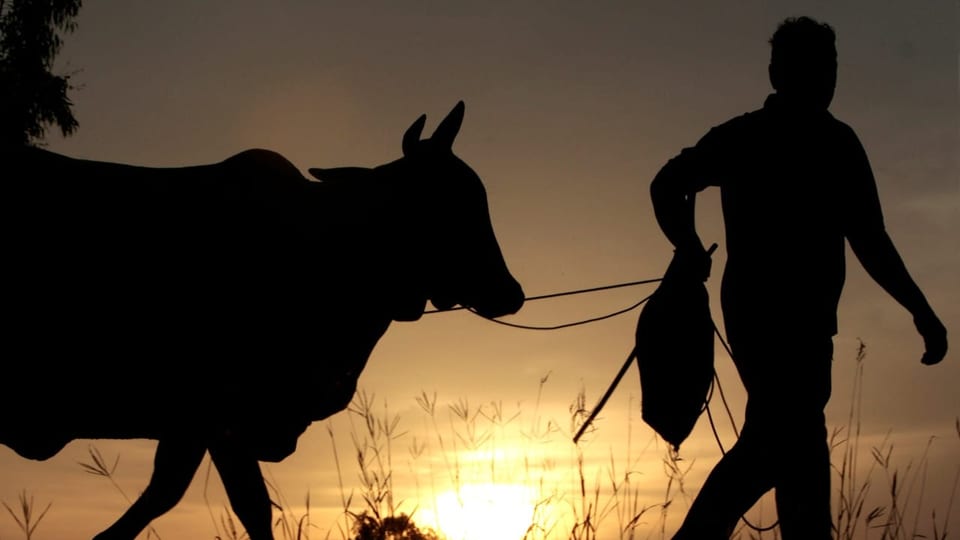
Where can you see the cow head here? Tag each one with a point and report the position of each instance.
(438, 223)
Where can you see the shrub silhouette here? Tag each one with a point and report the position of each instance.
(400, 527)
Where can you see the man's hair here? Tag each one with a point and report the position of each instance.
(802, 37)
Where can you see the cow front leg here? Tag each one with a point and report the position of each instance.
(246, 490)
(174, 465)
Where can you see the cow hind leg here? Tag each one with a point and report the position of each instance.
(243, 482)
(174, 465)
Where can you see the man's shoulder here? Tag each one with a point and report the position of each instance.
(763, 119)
(842, 128)
(735, 128)
(744, 121)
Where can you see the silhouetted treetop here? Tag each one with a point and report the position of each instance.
(31, 96)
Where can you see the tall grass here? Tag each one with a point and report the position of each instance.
(569, 494)
(25, 517)
(578, 498)
(901, 515)
(567, 491)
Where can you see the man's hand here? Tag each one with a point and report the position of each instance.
(934, 338)
(694, 263)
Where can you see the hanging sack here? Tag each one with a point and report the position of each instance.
(674, 350)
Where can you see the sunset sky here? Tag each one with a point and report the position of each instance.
(571, 109)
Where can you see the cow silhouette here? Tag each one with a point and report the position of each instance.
(223, 308)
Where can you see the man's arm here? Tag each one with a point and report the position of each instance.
(673, 194)
(883, 263)
(875, 250)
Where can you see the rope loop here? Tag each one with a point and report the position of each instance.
(714, 386)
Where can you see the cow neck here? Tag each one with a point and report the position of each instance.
(374, 234)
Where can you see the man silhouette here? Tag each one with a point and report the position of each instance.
(794, 183)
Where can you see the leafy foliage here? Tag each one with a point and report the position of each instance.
(31, 96)
(399, 527)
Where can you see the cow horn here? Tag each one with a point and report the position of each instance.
(447, 131)
(412, 135)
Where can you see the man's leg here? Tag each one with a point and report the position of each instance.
(782, 445)
(803, 492)
(802, 480)
(746, 471)
(738, 480)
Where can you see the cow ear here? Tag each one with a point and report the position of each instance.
(412, 135)
(447, 131)
(339, 174)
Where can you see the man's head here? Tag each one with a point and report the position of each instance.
(803, 62)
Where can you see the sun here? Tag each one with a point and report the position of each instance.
(485, 511)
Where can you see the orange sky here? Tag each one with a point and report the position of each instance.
(570, 111)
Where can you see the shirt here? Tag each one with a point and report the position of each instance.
(793, 186)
